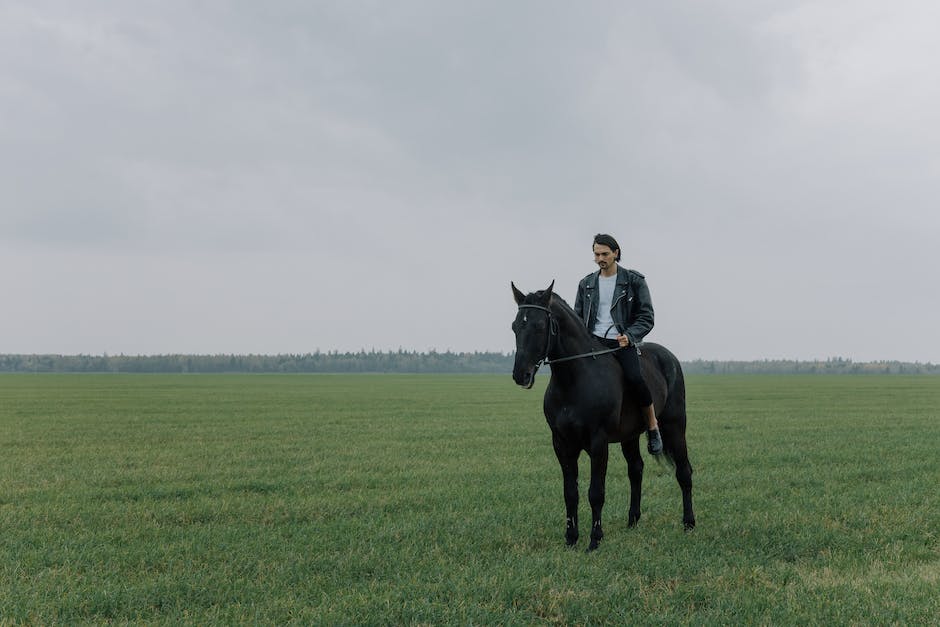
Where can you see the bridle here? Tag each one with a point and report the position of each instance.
(553, 331)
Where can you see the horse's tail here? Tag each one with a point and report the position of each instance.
(673, 415)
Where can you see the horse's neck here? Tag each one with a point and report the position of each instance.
(573, 338)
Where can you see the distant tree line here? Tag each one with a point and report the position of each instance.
(835, 365)
(362, 361)
(406, 362)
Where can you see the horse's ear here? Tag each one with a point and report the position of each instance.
(547, 294)
(519, 296)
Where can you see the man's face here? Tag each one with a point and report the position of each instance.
(604, 257)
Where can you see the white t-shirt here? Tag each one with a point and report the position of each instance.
(605, 300)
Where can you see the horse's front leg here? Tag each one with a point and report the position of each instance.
(568, 459)
(596, 493)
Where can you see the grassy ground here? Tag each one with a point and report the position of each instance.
(437, 499)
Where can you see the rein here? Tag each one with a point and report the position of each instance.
(553, 326)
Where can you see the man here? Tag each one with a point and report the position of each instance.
(615, 305)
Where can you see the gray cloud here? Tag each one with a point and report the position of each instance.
(771, 166)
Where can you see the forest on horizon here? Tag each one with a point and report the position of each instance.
(407, 362)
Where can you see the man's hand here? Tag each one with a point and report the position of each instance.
(623, 340)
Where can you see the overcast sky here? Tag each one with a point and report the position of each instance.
(292, 176)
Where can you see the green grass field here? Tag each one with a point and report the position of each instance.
(436, 499)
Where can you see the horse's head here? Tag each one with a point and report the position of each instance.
(533, 327)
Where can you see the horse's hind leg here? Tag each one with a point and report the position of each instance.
(631, 452)
(674, 441)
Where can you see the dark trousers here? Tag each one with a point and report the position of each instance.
(633, 377)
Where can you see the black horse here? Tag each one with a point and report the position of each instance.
(585, 406)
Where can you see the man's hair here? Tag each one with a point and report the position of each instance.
(607, 240)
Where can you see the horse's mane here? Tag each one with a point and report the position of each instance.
(563, 304)
(556, 300)
(577, 325)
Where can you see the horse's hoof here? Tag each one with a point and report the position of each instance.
(689, 525)
(597, 534)
(633, 520)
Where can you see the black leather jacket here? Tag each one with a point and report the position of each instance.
(632, 310)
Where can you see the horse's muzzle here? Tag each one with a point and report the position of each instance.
(524, 378)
